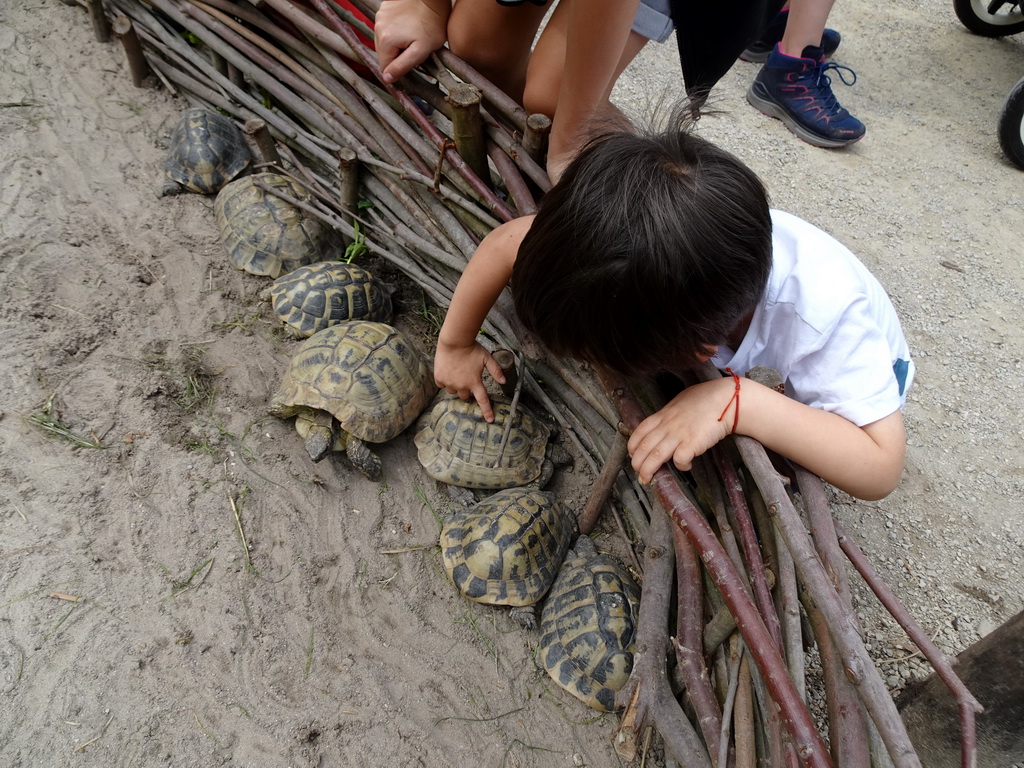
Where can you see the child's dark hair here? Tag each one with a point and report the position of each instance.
(650, 249)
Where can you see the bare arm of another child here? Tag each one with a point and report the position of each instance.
(593, 29)
(866, 462)
(406, 32)
(460, 359)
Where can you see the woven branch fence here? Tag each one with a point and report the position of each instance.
(742, 563)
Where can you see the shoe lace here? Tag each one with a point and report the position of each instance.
(824, 84)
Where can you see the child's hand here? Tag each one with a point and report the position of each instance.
(459, 371)
(406, 32)
(686, 427)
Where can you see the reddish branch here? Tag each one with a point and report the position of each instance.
(748, 540)
(647, 695)
(967, 704)
(789, 611)
(848, 733)
(756, 571)
(797, 720)
(858, 665)
(599, 494)
(510, 174)
(743, 719)
(369, 59)
(688, 643)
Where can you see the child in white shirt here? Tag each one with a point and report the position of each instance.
(657, 253)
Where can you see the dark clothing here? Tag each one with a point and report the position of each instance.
(711, 36)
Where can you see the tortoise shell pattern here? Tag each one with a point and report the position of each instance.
(369, 376)
(588, 627)
(456, 446)
(265, 235)
(206, 151)
(319, 295)
(506, 549)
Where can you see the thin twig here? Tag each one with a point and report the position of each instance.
(735, 657)
(510, 419)
(241, 534)
(103, 730)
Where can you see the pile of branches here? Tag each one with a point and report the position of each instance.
(743, 564)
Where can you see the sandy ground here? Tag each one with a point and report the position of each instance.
(338, 640)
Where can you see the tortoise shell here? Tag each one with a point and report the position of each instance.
(265, 234)
(206, 152)
(368, 376)
(506, 549)
(316, 296)
(457, 446)
(588, 626)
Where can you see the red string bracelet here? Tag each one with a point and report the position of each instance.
(736, 397)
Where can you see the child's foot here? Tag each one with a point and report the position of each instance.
(758, 50)
(799, 93)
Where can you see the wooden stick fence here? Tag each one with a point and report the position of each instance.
(444, 157)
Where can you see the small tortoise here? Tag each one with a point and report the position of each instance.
(316, 296)
(456, 446)
(770, 377)
(265, 234)
(206, 152)
(351, 384)
(588, 626)
(506, 549)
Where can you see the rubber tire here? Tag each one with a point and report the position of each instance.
(974, 15)
(1011, 125)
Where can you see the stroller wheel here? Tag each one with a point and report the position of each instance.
(991, 18)
(1011, 125)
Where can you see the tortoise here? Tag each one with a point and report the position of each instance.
(265, 234)
(506, 549)
(350, 384)
(770, 377)
(206, 152)
(588, 626)
(315, 296)
(456, 446)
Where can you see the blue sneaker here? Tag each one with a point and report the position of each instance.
(799, 93)
(758, 50)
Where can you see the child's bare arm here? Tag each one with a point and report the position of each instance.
(406, 32)
(866, 462)
(460, 360)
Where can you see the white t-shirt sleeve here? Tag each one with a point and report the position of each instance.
(827, 326)
(850, 371)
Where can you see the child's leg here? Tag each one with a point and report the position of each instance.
(805, 25)
(495, 39)
(547, 65)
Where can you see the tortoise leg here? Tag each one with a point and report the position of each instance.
(556, 456)
(547, 471)
(321, 435)
(363, 459)
(464, 497)
(525, 615)
(171, 188)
